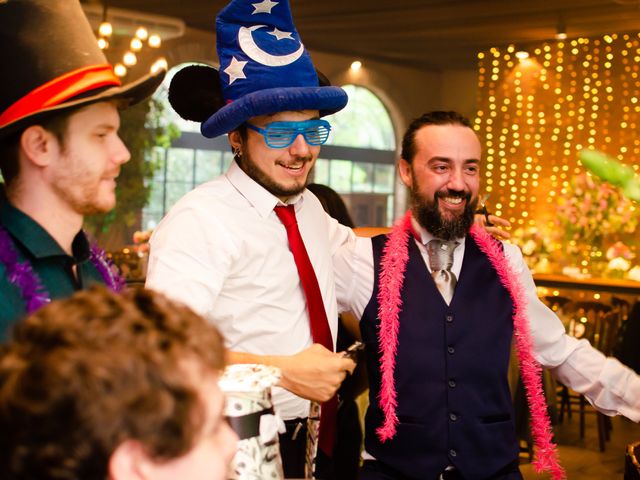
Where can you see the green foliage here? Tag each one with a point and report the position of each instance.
(142, 127)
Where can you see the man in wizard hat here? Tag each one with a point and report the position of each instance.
(251, 249)
(60, 152)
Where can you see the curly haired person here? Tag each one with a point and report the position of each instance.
(119, 387)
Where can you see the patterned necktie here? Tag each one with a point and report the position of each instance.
(320, 331)
(441, 260)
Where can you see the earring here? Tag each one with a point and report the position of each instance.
(237, 152)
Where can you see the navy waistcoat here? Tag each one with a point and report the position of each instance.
(454, 403)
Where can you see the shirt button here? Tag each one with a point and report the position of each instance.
(453, 453)
(449, 318)
(451, 350)
(453, 417)
(452, 383)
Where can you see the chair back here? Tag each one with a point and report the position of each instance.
(606, 332)
(585, 317)
(632, 462)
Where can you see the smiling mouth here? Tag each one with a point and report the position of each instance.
(294, 167)
(452, 200)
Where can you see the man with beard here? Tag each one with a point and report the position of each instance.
(439, 301)
(234, 248)
(60, 152)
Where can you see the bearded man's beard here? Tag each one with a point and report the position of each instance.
(428, 215)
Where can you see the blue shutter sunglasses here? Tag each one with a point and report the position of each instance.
(283, 134)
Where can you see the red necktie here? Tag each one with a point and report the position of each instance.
(320, 331)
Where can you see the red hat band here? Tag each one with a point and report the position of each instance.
(59, 90)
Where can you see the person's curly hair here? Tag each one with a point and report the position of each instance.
(84, 374)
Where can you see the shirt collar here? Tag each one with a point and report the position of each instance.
(35, 239)
(258, 196)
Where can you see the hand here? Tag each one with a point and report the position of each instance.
(315, 373)
(497, 225)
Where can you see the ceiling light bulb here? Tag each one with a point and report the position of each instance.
(356, 66)
(120, 70)
(105, 29)
(142, 33)
(561, 35)
(154, 40)
(160, 64)
(103, 44)
(522, 54)
(136, 44)
(129, 59)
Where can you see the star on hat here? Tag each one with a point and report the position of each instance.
(235, 70)
(280, 35)
(263, 7)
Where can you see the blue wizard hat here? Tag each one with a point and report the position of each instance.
(264, 68)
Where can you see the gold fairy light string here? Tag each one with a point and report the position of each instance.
(535, 114)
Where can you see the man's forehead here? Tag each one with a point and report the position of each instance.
(97, 107)
(288, 115)
(437, 139)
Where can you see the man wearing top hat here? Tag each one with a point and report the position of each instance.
(60, 152)
(225, 251)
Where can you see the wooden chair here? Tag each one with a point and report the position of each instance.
(556, 302)
(602, 334)
(632, 462)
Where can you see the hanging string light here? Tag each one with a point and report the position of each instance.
(120, 70)
(142, 33)
(155, 41)
(141, 37)
(129, 59)
(159, 64)
(105, 29)
(535, 116)
(136, 44)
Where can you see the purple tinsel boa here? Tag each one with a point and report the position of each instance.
(104, 266)
(27, 281)
(22, 275)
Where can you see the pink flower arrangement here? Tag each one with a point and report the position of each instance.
(140, 237)
(592, 210)
(141, 241)
(619, 250)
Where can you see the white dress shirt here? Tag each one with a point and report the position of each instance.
(607, 384)
(223, 251)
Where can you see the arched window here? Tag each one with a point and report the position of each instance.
(358, 161)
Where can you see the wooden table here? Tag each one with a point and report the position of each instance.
(609, 285)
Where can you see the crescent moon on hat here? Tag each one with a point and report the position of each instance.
(255, 53)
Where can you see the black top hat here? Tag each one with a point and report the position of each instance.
(51, 62)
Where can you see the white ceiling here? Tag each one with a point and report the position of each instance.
(425, 34)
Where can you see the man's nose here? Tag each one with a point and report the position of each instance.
(299, 147)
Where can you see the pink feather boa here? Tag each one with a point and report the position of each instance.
(392, 267)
